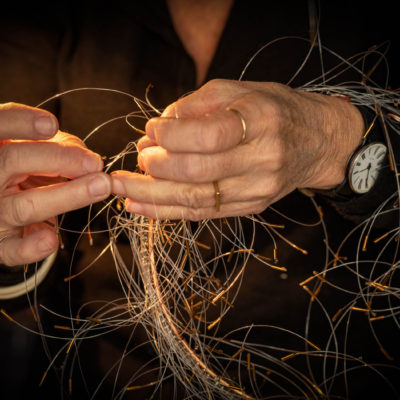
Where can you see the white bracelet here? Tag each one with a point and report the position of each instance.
(11, 292)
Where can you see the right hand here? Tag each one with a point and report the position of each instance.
(35, 159)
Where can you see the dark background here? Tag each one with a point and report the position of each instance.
(46, 50)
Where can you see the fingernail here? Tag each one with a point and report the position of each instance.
(134, 207)
(46, 126)
(99, 186)
(92, 163)
(118, 187)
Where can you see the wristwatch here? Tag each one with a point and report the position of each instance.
(364, 165)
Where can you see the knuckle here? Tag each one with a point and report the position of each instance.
(67, 140)
(162, 132)
(192, 197)
(69, 155)
(217, 137)
(271, 188)
(269, 107)
(278, 157)
(9, 157)
(275, 187)
(215, 84)
(277, 114)
(211, 91)
(278, 117)
(192, 168)
(194, 214)
(63, 152)
(170, 111)
(276, 87)
(22, 211)
(231, 162)
(9, 106)
(259, 207)
(211, 140)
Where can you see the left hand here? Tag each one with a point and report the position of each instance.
(44, 173)
(294, 139)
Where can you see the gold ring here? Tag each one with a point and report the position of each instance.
(217, 196)
(244, 127)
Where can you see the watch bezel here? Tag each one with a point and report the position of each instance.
(353, 161)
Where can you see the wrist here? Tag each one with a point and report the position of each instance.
(343, 127)
(365, 165)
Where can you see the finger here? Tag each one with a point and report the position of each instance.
(47, 159)
(144, 142)
(209, 133)
(214, 95)
(196, 168)
(35, 247)
(40, 204)
(146, 189)
(193, 214)
(34, 181)
(18, 121)
(67, 139)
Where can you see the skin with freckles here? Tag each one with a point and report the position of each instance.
(43, 173)
(294, 139)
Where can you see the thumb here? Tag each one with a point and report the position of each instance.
(18, 121)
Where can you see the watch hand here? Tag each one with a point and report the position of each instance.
(362, 170)
(368, 169)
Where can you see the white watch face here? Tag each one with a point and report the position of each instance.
(365, 166)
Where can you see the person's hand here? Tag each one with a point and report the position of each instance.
(294, 139)
(43, 173)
